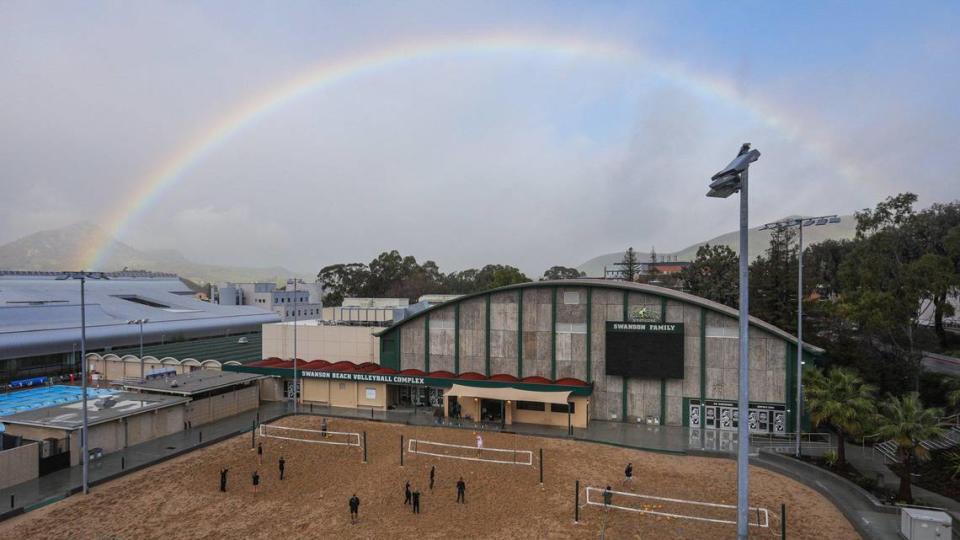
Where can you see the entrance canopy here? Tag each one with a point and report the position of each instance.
(508, 394)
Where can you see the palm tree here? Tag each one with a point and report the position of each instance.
(906, 422)
(840, 400)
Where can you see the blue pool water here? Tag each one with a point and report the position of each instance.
(36, 398)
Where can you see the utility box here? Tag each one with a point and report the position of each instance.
(921, 524)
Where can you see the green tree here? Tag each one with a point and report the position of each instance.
(629, 265)
(885, 285)
(714, 275)
(821, 267)
(839, 400)
(343, 280)
(562, 272)
(906, 422)
(937, 230)
(773, 281)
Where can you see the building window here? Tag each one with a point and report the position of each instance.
(530, 406)
(562, 408)
(371, 394)
(722, 331)
(571, 297)
(441, 324)
(571, 328)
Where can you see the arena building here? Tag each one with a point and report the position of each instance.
(647, 354)
(564, 353)
(40, 321)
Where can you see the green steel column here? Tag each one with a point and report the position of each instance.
(520, 333)
(553, 335)
(589, 334)
(790, 387)
(456, 338)
(623, 393)
(486, 349)
(703, 364)
(663, 382)
(426, 343)
(399, 348)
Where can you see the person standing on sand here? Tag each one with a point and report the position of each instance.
(628, 473)
(354, 508)
(607, 498)
(223, 480)
(479, 444)
(256, 481)
(416, 501)
(260, 453)
(282, 466)
(323, 428)
(461, 491)
(433, 473)
(407, 494)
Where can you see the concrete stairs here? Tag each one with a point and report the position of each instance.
(950, 439)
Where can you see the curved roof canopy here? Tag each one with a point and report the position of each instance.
(653, 290)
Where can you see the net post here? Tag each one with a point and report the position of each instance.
(541, 469)
(401, 450)
(576, 503)
(783, 521)
(253, 435)
(758, 516)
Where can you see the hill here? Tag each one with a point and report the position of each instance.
(759, 240)
(63, 249)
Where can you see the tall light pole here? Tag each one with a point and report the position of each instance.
(141, 323)
(734, 178)
(800, 223)
(83, 277)
(296, 306)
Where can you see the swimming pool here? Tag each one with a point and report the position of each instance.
(37, 398)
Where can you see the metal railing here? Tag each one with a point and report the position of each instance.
(787, 442)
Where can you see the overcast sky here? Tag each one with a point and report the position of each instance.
(518, 156)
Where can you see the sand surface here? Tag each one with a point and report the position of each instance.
(180, 498)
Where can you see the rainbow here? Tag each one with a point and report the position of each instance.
(206, 141)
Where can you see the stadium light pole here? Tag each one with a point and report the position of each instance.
(83, 277)
(800, 223)
(734, 178)
(140, 322)
(296, 306)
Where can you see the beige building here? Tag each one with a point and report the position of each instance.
(319, 339)
(213, 394)
(115, 422)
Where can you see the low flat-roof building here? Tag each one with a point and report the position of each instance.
(115, 422)
(213, 394)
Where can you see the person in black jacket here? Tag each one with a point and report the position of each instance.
(433, 473)
(416, 501)
(283, 464)
(461, 491)
(407, 494)
(223, 479)
(354, 508)
(256, 481)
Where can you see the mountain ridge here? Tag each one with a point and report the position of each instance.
(757, 240)
(64, 249)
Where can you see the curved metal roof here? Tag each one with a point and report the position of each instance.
(41, 315)
(670, 294)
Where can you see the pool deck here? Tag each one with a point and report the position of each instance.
(29, 399)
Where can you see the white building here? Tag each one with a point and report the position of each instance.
(304, 303)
